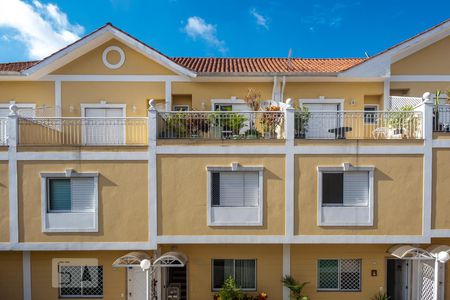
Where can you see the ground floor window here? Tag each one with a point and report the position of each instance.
(80, 281)
(242, 270)
(339, 274)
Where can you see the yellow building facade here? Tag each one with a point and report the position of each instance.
(128, 174)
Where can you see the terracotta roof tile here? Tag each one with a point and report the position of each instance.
(267, 65)
(17, 66)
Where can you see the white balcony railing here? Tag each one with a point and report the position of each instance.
(358, 125)
(441, 118)
(221, 125)
(83, 131)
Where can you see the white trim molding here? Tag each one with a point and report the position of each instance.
(420, 78)
(68, 221)
(116, 78)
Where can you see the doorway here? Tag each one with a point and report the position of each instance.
(398, 279)
(136, 283)
(175, 283)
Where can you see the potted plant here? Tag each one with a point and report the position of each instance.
(301, 122)
(174, 126)
(230, 290)
(252, 134)
(227, 124)
(403, 123)
(196, 124)
(294, 287)
(380, 296)
(253, 99)
(270, 120)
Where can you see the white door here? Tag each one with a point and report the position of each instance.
(104, 126)
(136, 284)
(322, 119)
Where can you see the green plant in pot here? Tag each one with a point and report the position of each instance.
(403, 122)
(230, 290)
(295, 287)
(270, 119)
(301, 122)
(229, 123)
(174, 126)
(196, 124)
(380, 296)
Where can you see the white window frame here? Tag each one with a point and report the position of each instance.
(231, 101)
(85, 221)
(236, 211)
(341, 215)
(188, 108)
(377, 108)
(234, 269)
(339, 275)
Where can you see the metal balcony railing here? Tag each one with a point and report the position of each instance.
(221, 125)
(3, 131)
(358, 125)
(441, 118)
(83, 131)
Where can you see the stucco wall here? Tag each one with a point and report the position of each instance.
(4, 202)
(11, 286)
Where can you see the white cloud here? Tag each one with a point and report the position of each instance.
(260, 19)
(326, 16)
(197, 28)
(42, 28)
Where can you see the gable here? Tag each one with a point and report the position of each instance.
(92, 63)
(431, 60)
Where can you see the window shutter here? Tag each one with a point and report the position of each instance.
(82, 194)
(231, 189)
(59, 195)
(251, 188)
(356, 188)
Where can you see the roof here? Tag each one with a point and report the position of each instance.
(266, 65)
(17, 66)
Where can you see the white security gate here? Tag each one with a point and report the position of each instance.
(104, 126)
(322, 119)
(136, 283)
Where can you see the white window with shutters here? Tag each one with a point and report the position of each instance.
(69, 202)
(345, 195)
(235, 196)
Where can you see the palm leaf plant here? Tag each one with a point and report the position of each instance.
(294, 287)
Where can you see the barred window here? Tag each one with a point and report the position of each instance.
(80, 281)
(339, 275)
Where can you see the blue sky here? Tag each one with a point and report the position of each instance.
(32, 29)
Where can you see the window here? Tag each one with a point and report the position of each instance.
(240, 189)
(345, 196)
(339, 275)
(71, 195)
(235, 196)
(223, 107)
(181, 107)
(370, 115)
(69, 202)
(242, 270)
(80, 281)
(104, 124)
(345, 188)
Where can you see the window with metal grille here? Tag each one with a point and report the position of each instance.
(242, 270)
(80, 281)
(71, 194)
(339, 275)
(235, 189)
(345, 188)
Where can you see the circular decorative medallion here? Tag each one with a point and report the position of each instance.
(113, 49)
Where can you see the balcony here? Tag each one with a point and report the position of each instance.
(83, 131)
(3, 131)
(441, 118)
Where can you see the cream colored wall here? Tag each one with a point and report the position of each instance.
(37, 92)
(304, 268)
(123, 201)
(92, 63)
(417, 89)
(346, 91)
(441, 189)
(182, 194)
(203, 92)
(114, 279)
(129, 93)
(432, 60)
(269, 266)
(397, 194)
(11, 284)
(4, 202)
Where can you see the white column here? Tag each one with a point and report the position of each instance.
(26, 275)
(168, 94)
(386, 93)
(58, 108)
(289, 176)
(152, 175)
(13, 138)
(286, 268)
